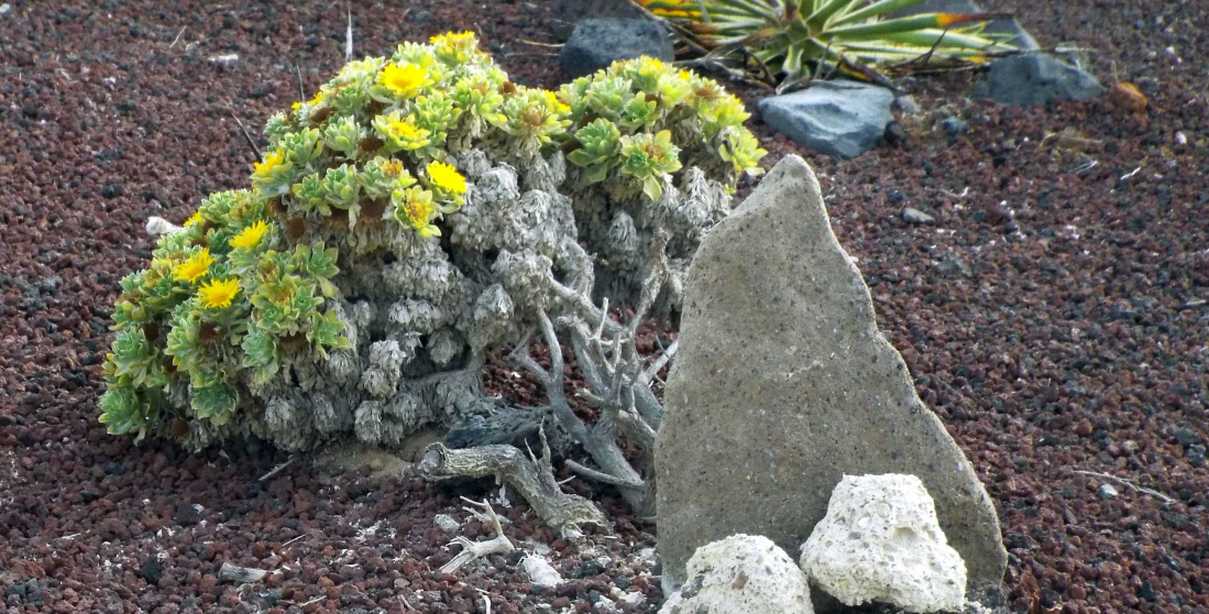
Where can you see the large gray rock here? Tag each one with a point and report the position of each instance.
(1036, 79)
(880, 542)
(598, 42)
(567, 12)
(839, 118)
(783, 384)
(742, 574)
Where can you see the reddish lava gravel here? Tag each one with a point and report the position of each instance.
(1054, 316)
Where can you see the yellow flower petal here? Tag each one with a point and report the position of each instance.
(218, 293)
(446, 178)
(194, 268)
(403, 80)
(250, 236)
(264, 169)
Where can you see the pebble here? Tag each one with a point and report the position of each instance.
(954, 126)
(225, 60)
(446, 523)
(915, 216)
(906, 105)
(1108, 491)
(188, 514)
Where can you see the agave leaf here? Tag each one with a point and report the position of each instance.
(877, 29)
(951, 38)
(876, 9)
(750, 8)
(793, 60)
(827, 8)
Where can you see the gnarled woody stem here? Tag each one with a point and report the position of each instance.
(531, 477)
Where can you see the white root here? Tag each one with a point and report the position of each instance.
(471, 551)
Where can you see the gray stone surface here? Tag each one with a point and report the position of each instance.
(597, 42)
(741, 574)
(567, 12)
(1036, 79)
(783, 384)
(839, 118)
(881, 542)
(915, 216)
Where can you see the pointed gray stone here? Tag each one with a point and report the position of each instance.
(783, 384)
(1036, 79)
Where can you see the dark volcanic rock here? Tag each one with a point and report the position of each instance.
(598, 42)
(1036, 79)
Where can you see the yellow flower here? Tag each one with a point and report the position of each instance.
(403, 80)
(295, 106)
(452, 39)
(454, 47)
(406, 135)
(250, 236)
(196, 266)
(273, 161)
(415, 208)
(650, 67)
(196, 218)
(556, 105)
(446, 178)
(218, 293)
(317, 99)
(393, 168)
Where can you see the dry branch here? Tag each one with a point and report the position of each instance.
(532, 478)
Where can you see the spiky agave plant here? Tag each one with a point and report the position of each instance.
(798, 38)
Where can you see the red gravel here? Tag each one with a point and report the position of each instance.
(1054, 315)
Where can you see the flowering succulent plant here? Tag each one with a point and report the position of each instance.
(628, 112)
(401, 221)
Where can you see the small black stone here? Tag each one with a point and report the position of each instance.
(112, 190)
(1146, 591)
(1186, 437)
(895, 134)
(152, 570)
(1195, 455)
(954, 126)
(187, 514)
(589, 568)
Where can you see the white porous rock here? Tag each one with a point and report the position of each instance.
(741, 574)
(540, 572)
(881, 541)
(157, 226)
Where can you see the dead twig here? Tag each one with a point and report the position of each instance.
(178, 37)
(301, 86)
(293, 540)
(348, 34)
(539, 44)
(246, 135)
(1124, 482)
(275, 470)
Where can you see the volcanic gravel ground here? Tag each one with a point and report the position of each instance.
(1054, 316)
